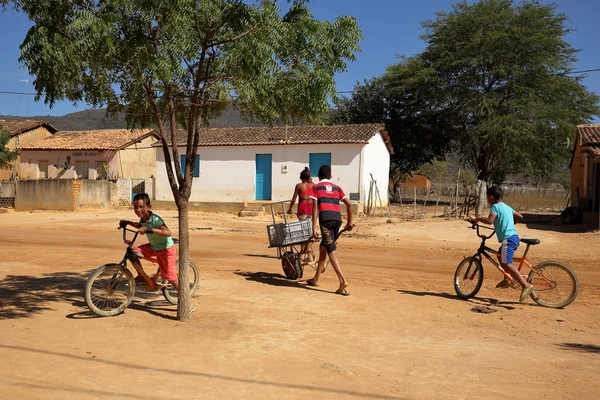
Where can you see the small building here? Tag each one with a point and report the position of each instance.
(264, 163)
(416, 181)
(22, 133)
(585, 171)
(97, 154)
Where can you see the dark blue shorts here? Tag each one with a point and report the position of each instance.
(508, 248)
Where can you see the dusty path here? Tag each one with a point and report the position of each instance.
(401, 333)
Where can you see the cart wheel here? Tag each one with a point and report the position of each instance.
(291, 266)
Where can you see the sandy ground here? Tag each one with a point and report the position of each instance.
(401, 334)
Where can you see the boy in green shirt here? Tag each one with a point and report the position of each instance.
(160, 244)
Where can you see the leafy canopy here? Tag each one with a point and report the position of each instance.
(415, 135)
(7, 156)
(496, 73)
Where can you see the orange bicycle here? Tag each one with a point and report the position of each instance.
(110, 288)
(555, 284)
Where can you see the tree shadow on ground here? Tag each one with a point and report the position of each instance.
(508, 305)
(552, 222)
(23, 296)
(583, 348)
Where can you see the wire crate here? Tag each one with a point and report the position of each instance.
(290, 233)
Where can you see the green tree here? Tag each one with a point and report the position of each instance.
(179, 63)
(7, 156)
(414, 134)
(437, 170)
(499, 72)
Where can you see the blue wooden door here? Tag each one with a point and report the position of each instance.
(315, 160)
(263, 176)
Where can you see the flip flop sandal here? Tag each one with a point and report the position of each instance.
(310, 283)
(343, 292)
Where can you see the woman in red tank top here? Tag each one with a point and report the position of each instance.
(305, 203)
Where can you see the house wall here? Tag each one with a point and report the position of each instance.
(137, 160)
(64, 194)
(51, 194)
(58, 158)
(376, 161)
(227, 173)
(416, 181)
(96, 194)
(577, 173)
(20, 141)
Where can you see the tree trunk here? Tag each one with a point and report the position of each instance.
(481, 197)
(183, 307)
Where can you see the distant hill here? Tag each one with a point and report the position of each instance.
(96, 119)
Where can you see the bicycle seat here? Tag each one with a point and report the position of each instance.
(531, 241)
(175, 241)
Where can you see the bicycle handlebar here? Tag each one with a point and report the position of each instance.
(125, 230)
(475, 225)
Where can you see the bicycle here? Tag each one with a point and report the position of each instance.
(111, 287)
(555, 284)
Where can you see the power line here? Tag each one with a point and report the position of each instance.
(342, 91)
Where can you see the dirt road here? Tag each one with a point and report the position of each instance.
(401, 334)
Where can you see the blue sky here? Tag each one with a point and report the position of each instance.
(390, 28)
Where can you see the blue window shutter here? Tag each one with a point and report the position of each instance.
(197, 167)
(182, 161)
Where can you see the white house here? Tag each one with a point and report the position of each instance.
(264, 163)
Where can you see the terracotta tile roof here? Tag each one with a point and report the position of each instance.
(19, 126)
(590, 134)
(317, 134)
(105, 139)
(594, 150)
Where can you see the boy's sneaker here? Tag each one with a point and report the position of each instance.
(525, 293)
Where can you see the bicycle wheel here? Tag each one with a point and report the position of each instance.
(555, 284)
(194, 274)
(468, 278)
(109, 290)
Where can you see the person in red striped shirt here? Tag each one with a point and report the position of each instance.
(326, 209)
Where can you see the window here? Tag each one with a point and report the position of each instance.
(196, 173)
(82, 169)
(43, 169)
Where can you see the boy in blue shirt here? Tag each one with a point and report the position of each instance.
(503, 217)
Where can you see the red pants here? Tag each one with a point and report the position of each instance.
(166, 260)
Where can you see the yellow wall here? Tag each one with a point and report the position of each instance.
(137, 160)
(582, 173)
(24, 139)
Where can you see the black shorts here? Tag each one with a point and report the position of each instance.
(330, 231)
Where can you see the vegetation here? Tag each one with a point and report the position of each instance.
(7, 156)
(499, 72)
(493, 84)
